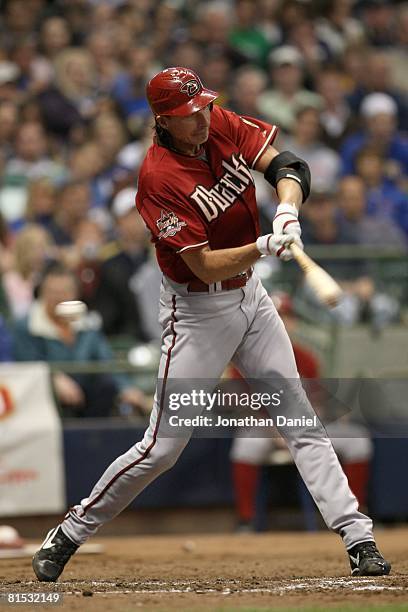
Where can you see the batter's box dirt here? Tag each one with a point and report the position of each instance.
(228, 587)
(274, 571)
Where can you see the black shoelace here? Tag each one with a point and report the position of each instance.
(62, 550)
(369, 549)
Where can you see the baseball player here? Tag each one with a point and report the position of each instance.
(196, 195)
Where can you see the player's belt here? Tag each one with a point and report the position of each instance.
(226, 285)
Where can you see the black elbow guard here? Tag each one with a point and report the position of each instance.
(287, 165)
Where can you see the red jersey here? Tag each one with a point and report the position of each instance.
(188, 202)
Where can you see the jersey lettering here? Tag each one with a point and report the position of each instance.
(226, 191)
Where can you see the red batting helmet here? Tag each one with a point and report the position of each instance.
(178, 91)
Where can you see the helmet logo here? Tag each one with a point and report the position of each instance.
(191, 87)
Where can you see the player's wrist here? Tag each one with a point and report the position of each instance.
(262, 245)
(287, 208)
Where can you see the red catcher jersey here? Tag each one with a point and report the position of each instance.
(188, 202)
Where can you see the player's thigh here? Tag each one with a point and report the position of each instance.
(200, 335)
(266, 351)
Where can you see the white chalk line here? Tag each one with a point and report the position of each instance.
(229, 587)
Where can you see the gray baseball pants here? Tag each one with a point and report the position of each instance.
(202, 333)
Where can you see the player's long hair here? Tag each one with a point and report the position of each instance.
(163, 137)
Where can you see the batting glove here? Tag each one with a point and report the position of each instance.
(286, 220)
(271, 244)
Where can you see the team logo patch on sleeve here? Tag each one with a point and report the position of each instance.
(169, 224)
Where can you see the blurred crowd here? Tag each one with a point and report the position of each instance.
(75, 124)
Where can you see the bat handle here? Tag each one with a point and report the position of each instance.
(303, 260)
(296, 250)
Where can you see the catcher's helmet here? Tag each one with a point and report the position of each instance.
(178, 91)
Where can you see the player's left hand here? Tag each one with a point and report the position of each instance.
(286, 220)
(279, 245)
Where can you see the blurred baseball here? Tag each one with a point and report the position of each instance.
(9, 537)
(72, 310)
(189, 546)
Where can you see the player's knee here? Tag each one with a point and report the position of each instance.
(164, 459)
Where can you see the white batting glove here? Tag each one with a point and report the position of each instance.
(271, 244)
(286, 220)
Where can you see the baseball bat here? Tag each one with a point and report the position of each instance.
(321, 283)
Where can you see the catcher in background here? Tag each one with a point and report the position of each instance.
(249, 452)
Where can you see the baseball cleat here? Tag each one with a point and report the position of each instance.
(50, 560)
(366, 560)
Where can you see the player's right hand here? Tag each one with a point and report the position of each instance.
(278, 244)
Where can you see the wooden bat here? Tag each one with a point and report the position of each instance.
(322, 284)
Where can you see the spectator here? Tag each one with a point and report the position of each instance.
(377, 231)
(31, 159)
(398, 53)
(335, 118)
(6, 351)
(378, 17)
(9, 75)
(216, 71)
(18, 20)
(31, 250)
(128, 87)
(324, 162)
(385, 200)
(8, 126)
(314, 52)
(75, 78)
(212, 28)
(43, 336)
(188, 53)
(248, 84)
(375, 77)
(360, 300)
(379, 112)
(115, 300)
(55, 36)
(338, 28)
(100, 44)
(280, 104)
(321, 228)
(85, 165)
(84, 258)
(110, 137)
(74, 202)
(246, 37)
(41, 202)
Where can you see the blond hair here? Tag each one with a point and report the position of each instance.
(30, 238)
(62, 64)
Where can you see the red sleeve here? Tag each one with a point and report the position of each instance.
(172, 223)
(252, 136)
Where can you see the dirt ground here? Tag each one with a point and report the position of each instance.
(219, 572)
